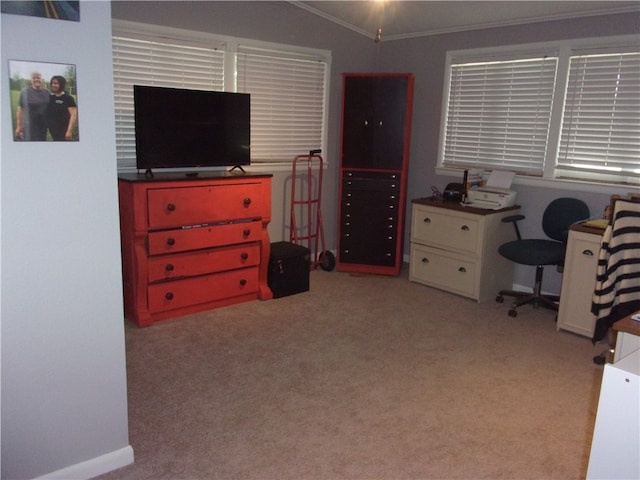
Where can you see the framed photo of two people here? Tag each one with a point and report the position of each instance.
(44, 101)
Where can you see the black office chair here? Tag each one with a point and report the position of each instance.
(559, 215)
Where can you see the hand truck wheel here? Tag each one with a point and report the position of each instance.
(327, 261)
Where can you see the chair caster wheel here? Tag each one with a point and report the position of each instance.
(599, 360)
(513, 313)
(499, 299)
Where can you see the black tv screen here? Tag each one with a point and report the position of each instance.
(179, 128)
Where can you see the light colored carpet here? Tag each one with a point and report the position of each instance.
(362, 377)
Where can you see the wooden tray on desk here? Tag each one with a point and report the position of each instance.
(628, 325)
(455, 205)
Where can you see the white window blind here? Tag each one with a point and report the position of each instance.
(287, 102)
(498, 114)
(601, 121)
(148, 62)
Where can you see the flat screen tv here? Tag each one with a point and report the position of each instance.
(180, 128)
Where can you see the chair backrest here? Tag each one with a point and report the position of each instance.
(560, 214)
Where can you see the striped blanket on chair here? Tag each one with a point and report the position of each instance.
(617, 289)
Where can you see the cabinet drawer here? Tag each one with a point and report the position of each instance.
(440, 269)
(381, 183)
(446, 229)
(183, 239)
(370, 199)
(201, 262)
(170, 207)
(192, 291)
(386, 225)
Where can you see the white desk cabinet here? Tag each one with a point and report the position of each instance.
(578, 281)
(615, 448)
(455, 248)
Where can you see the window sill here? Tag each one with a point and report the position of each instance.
(555, 183)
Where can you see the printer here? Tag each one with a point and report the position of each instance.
(491, 198)
(496, 194)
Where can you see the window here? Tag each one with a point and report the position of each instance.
(551, 111)
(601, 121)
(287, 103)
(499, 113)
(150, 62)
(288, 85)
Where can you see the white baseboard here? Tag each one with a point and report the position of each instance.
(94, 467)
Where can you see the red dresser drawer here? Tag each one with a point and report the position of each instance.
(203, 261)
(171, 207)
(192, 291)
(183, 239)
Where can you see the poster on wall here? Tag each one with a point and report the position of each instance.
(44, 101)
(57, 10)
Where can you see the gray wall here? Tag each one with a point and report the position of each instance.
(424, 57)
(64, 397)
(63, 367)
(278, 22)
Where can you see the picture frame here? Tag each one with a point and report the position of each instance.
(54, 9)
(44, 101)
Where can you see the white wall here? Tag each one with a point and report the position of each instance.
(64, 404)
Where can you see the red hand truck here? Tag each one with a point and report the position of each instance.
(313, 234)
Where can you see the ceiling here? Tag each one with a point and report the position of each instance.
(404, 19)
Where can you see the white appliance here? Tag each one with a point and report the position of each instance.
(491, 198)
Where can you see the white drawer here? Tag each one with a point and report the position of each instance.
(446, 228)
(439, 268)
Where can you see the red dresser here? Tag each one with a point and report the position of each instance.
(193, 244)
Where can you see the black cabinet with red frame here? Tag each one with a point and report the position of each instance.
(376, 130)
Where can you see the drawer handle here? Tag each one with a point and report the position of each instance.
(169, 267)
(171, 241)
(246, 232)
(247, 202)
(243, 282)
(168, 296)
(588, 253)
(244, 255)
(462, 269)
(427, 220)
(425, 260)
(171, 207)
(464, 228)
